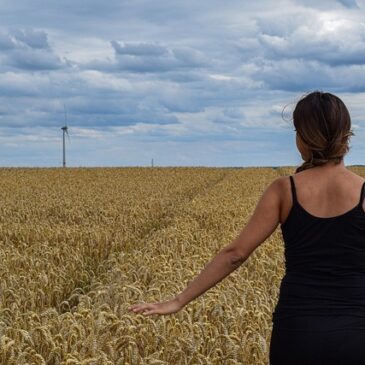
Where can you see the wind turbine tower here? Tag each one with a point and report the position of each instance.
(65, 131)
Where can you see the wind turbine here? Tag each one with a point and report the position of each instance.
(65, 131)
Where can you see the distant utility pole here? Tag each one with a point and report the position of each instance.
(152, 163)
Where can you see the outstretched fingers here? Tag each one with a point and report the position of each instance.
(146, 308)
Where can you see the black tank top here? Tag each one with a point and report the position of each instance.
(324, 262)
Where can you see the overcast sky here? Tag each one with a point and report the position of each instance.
(187, 83)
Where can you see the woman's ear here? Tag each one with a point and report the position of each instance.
(303, 149)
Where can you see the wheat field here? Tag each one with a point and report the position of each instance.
(78, 246)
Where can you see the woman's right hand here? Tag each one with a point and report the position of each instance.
(166, 307)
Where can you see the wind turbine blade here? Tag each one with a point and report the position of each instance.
(68, 136)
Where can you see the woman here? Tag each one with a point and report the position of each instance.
(320, 314)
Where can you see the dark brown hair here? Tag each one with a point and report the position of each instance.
(324, 125)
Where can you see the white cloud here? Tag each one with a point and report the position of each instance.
(330, 37)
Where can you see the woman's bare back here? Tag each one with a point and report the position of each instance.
(324, 193)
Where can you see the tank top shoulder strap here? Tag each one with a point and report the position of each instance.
(293, 190)
(362, 194)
